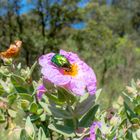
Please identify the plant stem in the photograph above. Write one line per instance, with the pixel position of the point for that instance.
(51, 136)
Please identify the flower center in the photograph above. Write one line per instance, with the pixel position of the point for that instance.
(73, 71)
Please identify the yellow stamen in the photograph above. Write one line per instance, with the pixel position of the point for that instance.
(73, 71)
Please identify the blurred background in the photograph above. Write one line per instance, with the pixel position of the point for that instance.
(104, 33)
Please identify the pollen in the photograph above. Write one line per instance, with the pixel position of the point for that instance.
(73, 71)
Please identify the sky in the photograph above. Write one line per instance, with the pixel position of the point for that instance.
(26, 7)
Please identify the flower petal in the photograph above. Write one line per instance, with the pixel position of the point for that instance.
(40, 91)
(84, 78)
(46, 59)
(89, 76)
(91, 82)
(52, 74)
(92, 130)
(77, 86)
(72, 57)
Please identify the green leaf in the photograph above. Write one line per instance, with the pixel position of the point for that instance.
(20, 89)
(43, 117)
(69, 123)
(133, 84)
(41, 134)
(34, 117)
(137, 109)
(134, 136)
(97, 94)
(12, 98)
(19, 66)
(135, 121)
(33, 108)
(25, 104)
(48, 85)
(39, 111)
(1, 90)
(29, 128)
(60, 113)
(138, 133)
(19, 83)
(4, 86)
(3, 99)
(128, 97)
(129, 135)
(138, 99)
(129, 112)
(26, 96)
(54, 99)
(12, 113)
(66, 95)
(88, 117)
(31, 70)
(84, 106)
(61, 97)
(2, 118)
(64, 130)
(45, 107)
(23, 135)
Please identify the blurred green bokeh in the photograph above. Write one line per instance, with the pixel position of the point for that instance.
(109, 41)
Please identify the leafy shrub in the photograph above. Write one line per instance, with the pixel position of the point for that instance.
(61, 114)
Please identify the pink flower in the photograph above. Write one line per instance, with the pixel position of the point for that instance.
(92, 131)
(40, 91)
(80, 78)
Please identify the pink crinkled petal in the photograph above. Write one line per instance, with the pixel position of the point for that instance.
(72, 57)
(55, 76)
(89, 77)
(85, 79)
(92, 130)
(46, 59)
(77, 86)
(91, 82)
(40, 91)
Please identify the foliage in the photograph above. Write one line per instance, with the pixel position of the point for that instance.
(60, 114)
(109, 41)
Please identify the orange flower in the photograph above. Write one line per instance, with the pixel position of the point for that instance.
(13, 50)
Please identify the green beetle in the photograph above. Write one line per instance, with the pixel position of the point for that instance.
(61, 61)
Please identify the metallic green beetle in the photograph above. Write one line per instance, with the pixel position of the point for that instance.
(61, 61)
